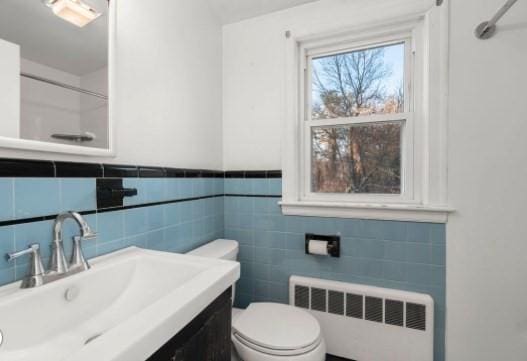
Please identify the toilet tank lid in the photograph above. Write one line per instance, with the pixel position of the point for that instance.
(219, 248)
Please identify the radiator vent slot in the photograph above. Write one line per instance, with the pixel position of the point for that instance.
(336, 302)
(373, 309)
(318, 299)
(394, 312)
(416, 316)
(302, 296)
(354, 305)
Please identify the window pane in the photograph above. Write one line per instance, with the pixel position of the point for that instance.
(359, 158)
(362, 82)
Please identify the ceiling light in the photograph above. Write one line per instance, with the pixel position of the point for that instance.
(73, 11)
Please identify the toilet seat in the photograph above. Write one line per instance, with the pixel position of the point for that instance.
(276, 352)
(277, 329)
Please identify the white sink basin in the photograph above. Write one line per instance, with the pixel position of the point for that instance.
(124, 308)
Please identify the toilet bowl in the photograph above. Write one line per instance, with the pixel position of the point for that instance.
(268, 331)
(272, 331)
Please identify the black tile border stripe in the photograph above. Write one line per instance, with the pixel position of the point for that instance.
(255, 195)
(26, 168)
(105, 210)
(78, 170)
(51, 169)
(152, 172)
(253, 174)
(120, 171)
(153, 204)
(50, 217)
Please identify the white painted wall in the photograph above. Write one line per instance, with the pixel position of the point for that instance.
(168, 86)
(9, 88)
(487, 236)
(254, 71)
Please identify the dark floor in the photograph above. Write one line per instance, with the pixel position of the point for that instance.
(336, 358)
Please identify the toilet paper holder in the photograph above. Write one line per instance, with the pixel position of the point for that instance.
(333, 243)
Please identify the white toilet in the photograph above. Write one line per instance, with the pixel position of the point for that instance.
(269, 331)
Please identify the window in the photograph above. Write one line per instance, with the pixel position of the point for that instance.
(363, 136)
(357, 120)
(352, 151)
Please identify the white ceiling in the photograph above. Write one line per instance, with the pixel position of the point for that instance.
(231, 11)
(49, 40)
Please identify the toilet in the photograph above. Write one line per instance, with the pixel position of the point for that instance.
(268, 331)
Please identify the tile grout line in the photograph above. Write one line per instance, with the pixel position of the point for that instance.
(13, 201)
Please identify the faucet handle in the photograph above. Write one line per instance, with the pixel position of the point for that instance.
(31, 249)
(36, 271)
(78, 262)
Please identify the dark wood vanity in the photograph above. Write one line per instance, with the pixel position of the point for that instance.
(206, 338)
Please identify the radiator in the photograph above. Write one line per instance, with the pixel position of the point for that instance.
(366, 323)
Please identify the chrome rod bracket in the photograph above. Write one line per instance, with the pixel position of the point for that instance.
(487, 29)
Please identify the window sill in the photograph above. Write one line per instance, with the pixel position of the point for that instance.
(393, 212)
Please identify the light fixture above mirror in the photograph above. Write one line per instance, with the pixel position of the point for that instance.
(75, 12)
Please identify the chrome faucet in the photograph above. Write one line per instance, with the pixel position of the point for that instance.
(58, 262)
(58, 268)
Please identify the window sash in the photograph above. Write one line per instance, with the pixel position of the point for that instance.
(340, 49)
(407, 162)
(408, 193)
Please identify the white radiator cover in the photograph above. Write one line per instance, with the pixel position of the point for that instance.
(366, 323)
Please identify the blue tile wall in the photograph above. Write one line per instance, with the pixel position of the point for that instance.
(253, 186)
(36, 196)
(402, 255)
(176, 227)
(7, 211)
(77, 194)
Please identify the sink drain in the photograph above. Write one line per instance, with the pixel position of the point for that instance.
(90, 339)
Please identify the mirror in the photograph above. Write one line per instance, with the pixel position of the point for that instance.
(54, 83)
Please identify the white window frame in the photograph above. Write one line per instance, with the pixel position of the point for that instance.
(423, 153)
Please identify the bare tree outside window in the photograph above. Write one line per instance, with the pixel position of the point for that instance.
(362, 158)
(365, 157)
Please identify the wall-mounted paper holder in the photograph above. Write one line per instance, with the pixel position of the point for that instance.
(322, 245)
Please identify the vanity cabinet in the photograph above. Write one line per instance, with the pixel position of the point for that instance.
(206, 338)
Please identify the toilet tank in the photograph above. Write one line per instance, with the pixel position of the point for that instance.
(226, 249)
(221, 248)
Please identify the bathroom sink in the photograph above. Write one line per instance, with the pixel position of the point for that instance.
(124, 308)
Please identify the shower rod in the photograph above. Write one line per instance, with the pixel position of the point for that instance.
(63, 85)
